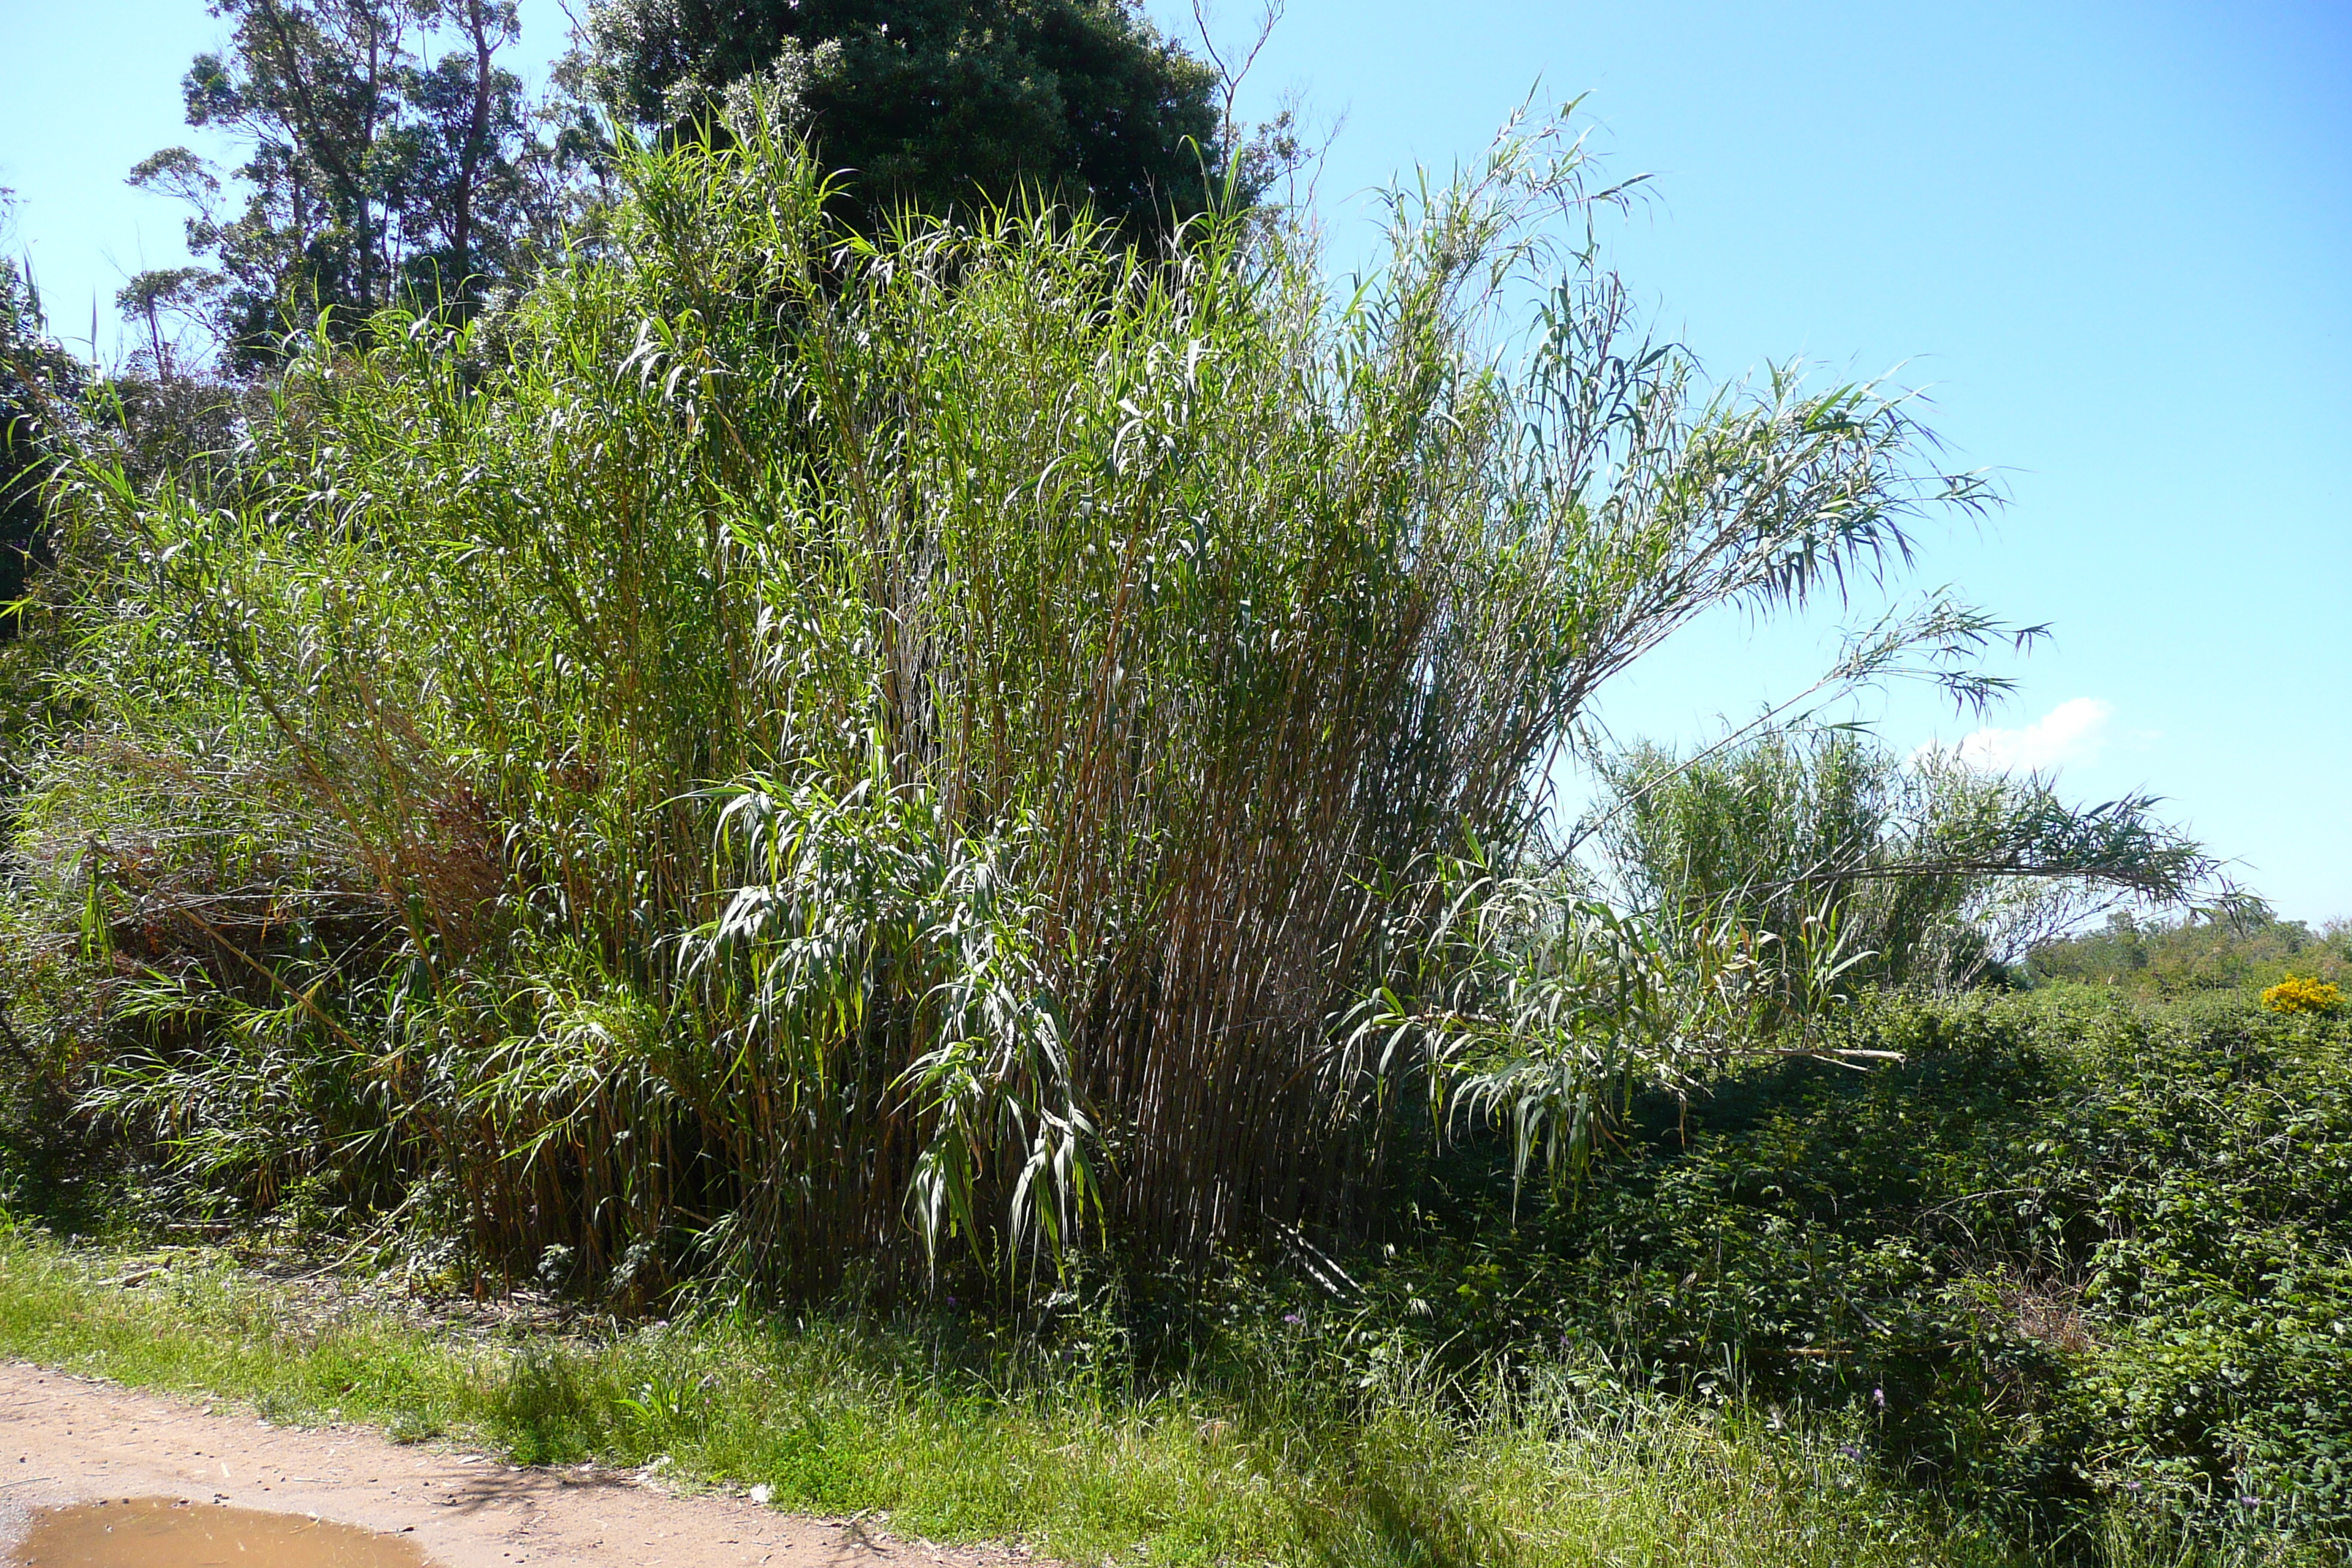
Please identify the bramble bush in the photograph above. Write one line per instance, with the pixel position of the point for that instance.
(2077, 1260)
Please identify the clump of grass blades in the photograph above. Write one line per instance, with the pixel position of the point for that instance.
(777, 734)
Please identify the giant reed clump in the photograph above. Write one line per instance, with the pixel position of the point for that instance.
(778, 734)
(1929, 872)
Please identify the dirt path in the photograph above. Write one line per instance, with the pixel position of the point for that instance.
(66, 1440)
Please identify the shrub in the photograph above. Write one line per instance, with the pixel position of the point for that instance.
(2072, 1254)
(2301, 993)
(1930, 873)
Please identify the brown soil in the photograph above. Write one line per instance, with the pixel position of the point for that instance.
(67, 1440)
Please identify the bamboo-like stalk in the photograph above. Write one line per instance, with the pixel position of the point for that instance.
(942, 726)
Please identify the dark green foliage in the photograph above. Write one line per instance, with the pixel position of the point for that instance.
(2230, 951)
(40, 386)
(46, 1151)
(942, 105)
(2072, 1254)
(186, 427)
(53, 1161)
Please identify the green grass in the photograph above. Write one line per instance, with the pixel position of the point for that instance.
(840, 1419)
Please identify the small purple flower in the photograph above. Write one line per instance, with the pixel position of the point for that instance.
(2248, 1502)
(1292, 1318)
(2131, 1485)
(1848, 1450)
(1878, 1397)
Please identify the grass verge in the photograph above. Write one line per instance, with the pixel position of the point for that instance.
(843, 1419)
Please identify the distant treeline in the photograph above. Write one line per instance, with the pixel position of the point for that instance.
(2233, 951)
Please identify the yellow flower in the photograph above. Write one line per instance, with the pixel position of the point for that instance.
(2297, 994)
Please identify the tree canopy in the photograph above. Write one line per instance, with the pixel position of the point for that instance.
(934, 104)
(374, 171)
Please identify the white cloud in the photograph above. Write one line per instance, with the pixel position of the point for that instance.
(2073, 732)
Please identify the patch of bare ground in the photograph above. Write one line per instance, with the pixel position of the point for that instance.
(67, 1440)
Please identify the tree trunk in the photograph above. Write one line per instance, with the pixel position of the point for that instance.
(367, 143)
(476, 134)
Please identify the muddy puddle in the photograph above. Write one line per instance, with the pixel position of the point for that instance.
(159, 1532)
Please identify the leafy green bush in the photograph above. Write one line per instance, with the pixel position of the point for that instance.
(2074, 1255)
(38, 388)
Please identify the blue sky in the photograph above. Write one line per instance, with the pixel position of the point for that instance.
(2114, 240)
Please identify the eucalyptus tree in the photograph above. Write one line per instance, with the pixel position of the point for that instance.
(161, 303)
(372, 173)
